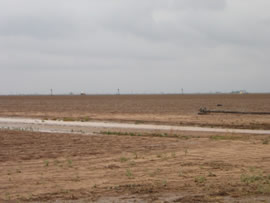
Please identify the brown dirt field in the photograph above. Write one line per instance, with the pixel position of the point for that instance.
(191, 168)
(165, 109)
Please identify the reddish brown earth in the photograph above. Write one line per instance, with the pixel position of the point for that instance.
(165, 109)
(190, 168)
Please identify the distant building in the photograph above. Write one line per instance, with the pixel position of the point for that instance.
(239, 92)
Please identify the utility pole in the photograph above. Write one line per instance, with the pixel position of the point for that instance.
(51, 92)
(118, 91)
(182, 90)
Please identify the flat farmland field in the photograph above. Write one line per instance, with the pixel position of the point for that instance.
(76, 160)
(38, 167)
(158, 109)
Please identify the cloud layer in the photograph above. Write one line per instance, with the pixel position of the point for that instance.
(154, 46)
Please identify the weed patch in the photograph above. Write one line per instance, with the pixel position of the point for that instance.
(200, 179)
(257, 181)
(129, 173)
(224, 137)
(123, 159)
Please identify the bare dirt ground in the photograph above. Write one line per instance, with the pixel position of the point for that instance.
(128, 167)
(99, 164)
(158, 109)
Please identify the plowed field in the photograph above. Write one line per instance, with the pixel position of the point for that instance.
(165, 109)
(128, 167)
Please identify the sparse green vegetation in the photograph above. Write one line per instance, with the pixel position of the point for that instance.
(7, 196)
(180, 173)
(265, 141)
(76, 178)
(145, 134)
(164, 183)
(18, 171)
(136, 155)
(129, 173)
(132, 163)
(173, 155)
(200, 179)
(46, 163)
(257, 180)
(159, 155)
(68, 119)
(69, 162)
(186, 151)
(251, 178)
(85, 119)
(139, 122)
(224, 137)
(210, 174)
(161, 183)
(156, 172)
(56, 162)
(123, 159)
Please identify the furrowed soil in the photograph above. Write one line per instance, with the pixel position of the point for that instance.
(163, 109)
(126, 167)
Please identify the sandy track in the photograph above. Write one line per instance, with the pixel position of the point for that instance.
(67, 126)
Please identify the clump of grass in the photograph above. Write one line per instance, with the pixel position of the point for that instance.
(164, 183)
(186, 151)
(7, 196)
(85, 119)
(173, 155)
(123, 159)
(136, 155)
(129, 173)
(182, 137)
(69, 162)
(180, 173)
(140, 134)
(263, 189)
(76, 178)
(46, 163)
(161, 183)
(160, 135)
(156, 172)
(251, 178)
(210, 174)
(265, 141)
(159, 155)
(139, 122)
(258, 181)
(132, 163)
(223, 137)
(18, 171)
(165, 157)
(200, 179)
(56, 162)
(68, 119)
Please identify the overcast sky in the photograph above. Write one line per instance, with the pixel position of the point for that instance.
(139, 46)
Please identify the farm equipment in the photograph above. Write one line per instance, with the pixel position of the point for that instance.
(205, 111)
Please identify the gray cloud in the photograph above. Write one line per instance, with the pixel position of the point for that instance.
(146, 46)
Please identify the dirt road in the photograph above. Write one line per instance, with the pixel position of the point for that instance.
(70, 126)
